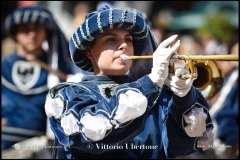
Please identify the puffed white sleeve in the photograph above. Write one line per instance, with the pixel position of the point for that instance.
(95, 127)
(131, 105)
(54, 107)
(206, 141)
(196, 122)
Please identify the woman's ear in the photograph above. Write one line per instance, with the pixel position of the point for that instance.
(89, 54)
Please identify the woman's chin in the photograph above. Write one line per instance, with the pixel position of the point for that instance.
(118, 71)
(122, 69)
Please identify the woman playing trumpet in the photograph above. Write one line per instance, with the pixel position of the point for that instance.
(111, 115)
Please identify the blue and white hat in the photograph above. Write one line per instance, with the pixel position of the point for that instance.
(26, 15)
(58, 44)
(100, 21)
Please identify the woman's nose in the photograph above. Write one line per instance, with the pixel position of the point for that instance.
(32, 33)
(123, 46)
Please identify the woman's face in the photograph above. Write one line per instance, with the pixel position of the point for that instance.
(104, 55)
(30, 37)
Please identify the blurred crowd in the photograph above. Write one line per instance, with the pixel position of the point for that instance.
(204, 28)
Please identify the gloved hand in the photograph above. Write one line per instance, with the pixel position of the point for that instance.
(179, 86)
(95, 127)
(161, 58)
(131, 105)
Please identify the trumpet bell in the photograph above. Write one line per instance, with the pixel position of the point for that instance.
(210, 78)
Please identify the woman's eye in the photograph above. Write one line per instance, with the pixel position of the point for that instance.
(129, 40)
(112, 39)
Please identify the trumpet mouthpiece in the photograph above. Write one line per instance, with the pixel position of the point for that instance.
(124, 57)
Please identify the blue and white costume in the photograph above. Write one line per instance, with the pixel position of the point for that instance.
(24, 83)
(113, 116)
(24, 89)
(162, 124)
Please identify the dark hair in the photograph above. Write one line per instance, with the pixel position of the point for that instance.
(13, 31)
(142, 67)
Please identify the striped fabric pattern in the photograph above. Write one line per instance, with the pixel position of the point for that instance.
(25, 15)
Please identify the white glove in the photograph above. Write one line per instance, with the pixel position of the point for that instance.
(161, 58)
(131, 105)
(196, 122)
(179, 86)
(95, 127)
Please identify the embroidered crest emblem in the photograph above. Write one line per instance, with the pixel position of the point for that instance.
(107, 90)
(25, 74)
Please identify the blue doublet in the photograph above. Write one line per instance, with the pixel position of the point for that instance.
(24, 89)
(158, 133)
(24, 84)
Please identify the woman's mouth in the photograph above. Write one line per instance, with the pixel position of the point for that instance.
(122, 57)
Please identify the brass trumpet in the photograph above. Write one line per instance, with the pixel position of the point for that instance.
(209, 77)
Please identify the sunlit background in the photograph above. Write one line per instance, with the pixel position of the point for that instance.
(205, 27)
